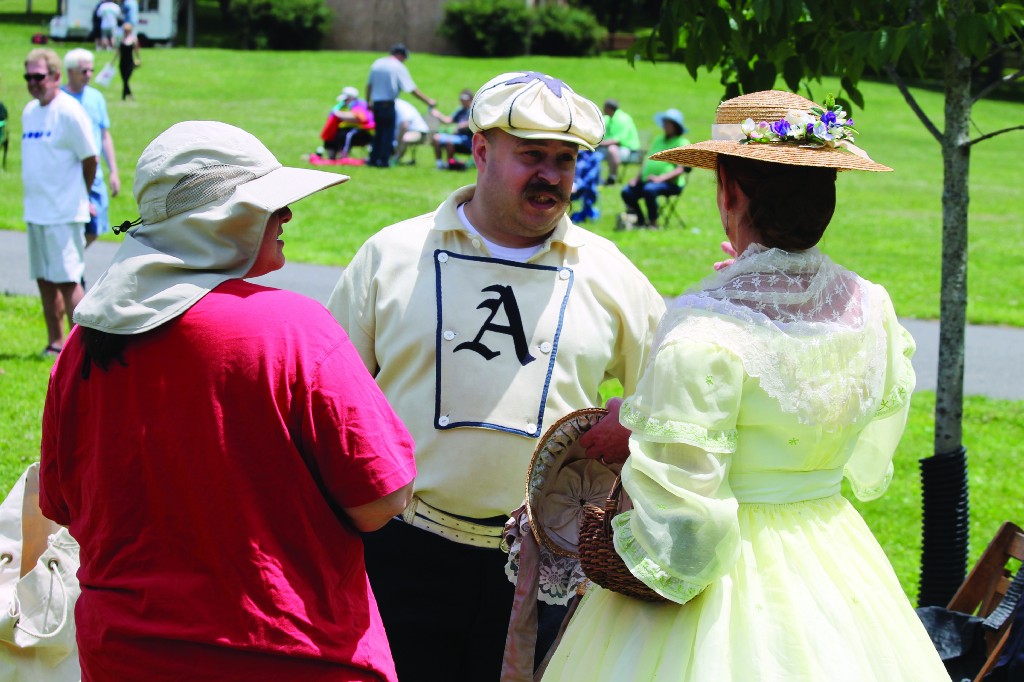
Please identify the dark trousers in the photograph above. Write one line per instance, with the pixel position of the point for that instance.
(126, 68)
(445, 605)
(383, 134)
(649, 192)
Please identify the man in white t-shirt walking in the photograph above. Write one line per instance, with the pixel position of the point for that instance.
(109, 13)
(58, 165)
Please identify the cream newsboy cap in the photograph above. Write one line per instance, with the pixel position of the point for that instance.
(535, 106)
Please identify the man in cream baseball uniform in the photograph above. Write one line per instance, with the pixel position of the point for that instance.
(484, 322)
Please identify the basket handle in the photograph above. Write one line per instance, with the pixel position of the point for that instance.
(611, 505)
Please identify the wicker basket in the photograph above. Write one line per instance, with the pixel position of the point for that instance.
(600, 562)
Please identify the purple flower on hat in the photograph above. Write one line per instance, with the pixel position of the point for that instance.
(829, 118)
(553, 84)
(781, 127)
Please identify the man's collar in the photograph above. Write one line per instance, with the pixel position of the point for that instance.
(447, 220)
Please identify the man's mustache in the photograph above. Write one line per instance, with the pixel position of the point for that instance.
(537, 187)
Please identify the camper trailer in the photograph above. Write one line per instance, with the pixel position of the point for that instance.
(158, 21)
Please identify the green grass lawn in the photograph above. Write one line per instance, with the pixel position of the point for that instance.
(887, 226)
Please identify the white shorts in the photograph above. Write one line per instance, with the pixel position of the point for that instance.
(56, 253)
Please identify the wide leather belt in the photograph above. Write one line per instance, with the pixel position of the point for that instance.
(421, 515)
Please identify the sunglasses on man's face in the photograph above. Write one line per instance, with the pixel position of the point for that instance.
(35, 77)
(86, 69)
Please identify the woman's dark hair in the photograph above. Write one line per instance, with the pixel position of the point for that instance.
(790, 206)
(102, 348)
(676, 127)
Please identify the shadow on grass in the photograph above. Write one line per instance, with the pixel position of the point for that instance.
(40, 19)
(26, 357)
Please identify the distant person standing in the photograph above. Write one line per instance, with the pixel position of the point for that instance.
(58, 165)
(109, 13)
(78, 64)
(129, 55)
(130, 8)
(389, 77)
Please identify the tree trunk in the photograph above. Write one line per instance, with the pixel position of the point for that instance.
(956, 161)
(944, 476)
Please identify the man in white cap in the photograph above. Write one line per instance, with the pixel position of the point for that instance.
(484, 322)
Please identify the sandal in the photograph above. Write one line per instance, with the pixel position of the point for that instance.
(51, 351)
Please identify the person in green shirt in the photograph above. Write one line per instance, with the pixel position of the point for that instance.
(620, 138)
(656, 178)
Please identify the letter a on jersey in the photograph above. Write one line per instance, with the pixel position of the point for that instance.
(498, 324)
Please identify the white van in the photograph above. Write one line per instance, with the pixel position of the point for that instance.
(158, 21)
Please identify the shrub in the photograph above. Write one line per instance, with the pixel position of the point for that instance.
(281, 24)
(486, 28)
(564, 31)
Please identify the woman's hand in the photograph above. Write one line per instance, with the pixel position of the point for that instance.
(607, 440)
(729, 251)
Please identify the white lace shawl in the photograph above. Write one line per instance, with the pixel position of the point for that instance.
(809, 330)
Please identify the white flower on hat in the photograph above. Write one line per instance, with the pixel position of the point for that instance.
(799, 121)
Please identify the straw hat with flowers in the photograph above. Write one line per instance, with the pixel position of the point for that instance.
(778, 127)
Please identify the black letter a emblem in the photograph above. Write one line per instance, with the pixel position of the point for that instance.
(507, 300)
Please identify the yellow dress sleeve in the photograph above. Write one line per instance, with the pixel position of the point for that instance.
(870, 468)
(682, 532)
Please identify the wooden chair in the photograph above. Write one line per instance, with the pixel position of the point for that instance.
(987, 584)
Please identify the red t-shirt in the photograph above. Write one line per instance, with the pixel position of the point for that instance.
(203, 481)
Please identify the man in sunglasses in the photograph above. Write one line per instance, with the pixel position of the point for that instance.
(78, 64)
(58, 166)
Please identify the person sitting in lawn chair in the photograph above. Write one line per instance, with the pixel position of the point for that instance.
(350, 124)
(458, 138)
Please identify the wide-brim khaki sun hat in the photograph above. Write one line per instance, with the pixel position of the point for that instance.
(206, 191)
(770, 106)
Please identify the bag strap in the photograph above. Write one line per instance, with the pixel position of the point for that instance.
(52, 566)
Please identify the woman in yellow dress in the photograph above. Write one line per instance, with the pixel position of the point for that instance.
(770, 381)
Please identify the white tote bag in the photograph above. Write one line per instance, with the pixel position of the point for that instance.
(106, 75)
(38, 590)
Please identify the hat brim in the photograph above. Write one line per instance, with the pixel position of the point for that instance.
(547, 135)
(705, 155)
(558, 452)
(286, 185)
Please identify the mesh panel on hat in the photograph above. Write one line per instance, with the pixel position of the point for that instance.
(205, 185)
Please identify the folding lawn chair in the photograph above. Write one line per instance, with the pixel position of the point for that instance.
(669, 211)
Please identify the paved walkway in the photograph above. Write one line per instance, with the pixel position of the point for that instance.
(994, 363)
